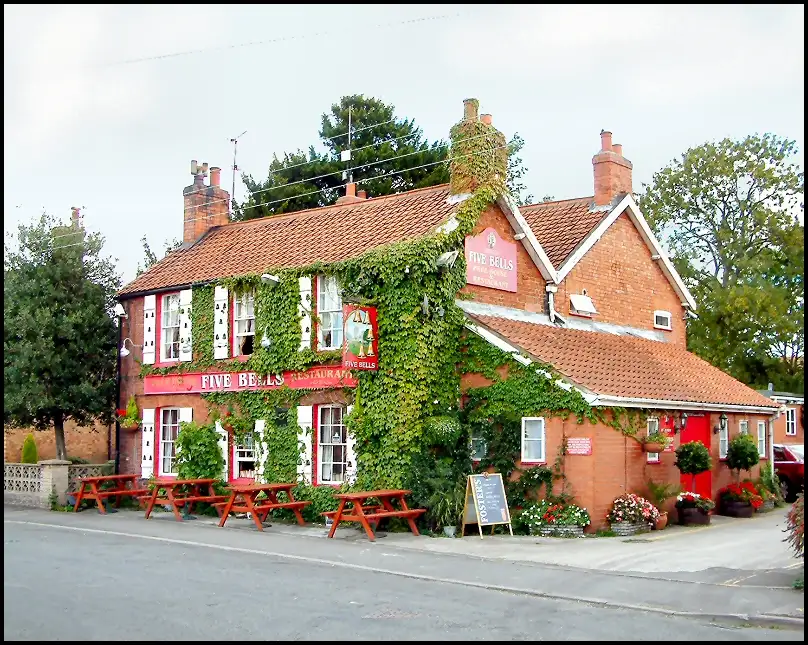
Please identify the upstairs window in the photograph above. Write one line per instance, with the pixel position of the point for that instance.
(244, 324)
(791, 422)
(662, 320)
(581, 304)
(329, 313)
(170, 336)
(743, 427)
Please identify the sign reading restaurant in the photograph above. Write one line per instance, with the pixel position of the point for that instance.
(490, 261)
(321, 377)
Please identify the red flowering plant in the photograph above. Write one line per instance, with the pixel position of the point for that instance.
(634, 509)
(547, 514)
(129, 418)
(742, 492)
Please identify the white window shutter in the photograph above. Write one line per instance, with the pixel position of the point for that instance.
(350, 452)
(304, 309)
(185, 325)
(149, 328)
(261, 449)
(221, 323)
(304, 438)
(223, 448)
(147, 443)
(186, 415)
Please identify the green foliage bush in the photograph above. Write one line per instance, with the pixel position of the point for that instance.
(742, 453)
(197, 452)
(29, 451)
(693, 458)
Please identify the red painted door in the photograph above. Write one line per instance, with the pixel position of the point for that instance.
(698, 429)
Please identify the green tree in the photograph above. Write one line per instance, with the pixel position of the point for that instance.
(389, 154)
(729, 213)
(29, 451)
(59, 337)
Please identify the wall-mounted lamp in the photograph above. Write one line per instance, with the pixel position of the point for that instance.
(265, 342)
(120, 312)
(722, 424)
(125, 352)
(271, 280)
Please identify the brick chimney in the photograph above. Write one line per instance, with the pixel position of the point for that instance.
(351, 196)
(478, 153)
(204, 206)
(612, 171)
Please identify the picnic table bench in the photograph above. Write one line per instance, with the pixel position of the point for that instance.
(118, 486)
(364, 513)
(243, 498)
(182, 493)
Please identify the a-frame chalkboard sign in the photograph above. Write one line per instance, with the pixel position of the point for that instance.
(486, 504)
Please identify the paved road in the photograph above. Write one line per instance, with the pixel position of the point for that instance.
(96, 585)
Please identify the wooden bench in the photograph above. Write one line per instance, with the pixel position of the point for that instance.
(370, 514)
(120, 488)
(244, 499)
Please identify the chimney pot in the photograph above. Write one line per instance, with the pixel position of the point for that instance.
(350, 190)
(205, 169)
(605, 141)
(202, 208)
(487, 119)
(470, 109)
(362, 194)
(215, 176)
(194, 167)
(617, 148)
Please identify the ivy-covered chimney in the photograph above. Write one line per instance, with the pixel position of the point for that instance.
(479, 155)
(204, 206)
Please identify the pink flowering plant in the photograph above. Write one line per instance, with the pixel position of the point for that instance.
(633, 509)
(548, 514)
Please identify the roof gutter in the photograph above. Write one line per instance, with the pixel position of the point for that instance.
(147, 292)
(632, 402)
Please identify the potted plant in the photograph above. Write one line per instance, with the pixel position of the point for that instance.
(739, 500)
(631, 514)
(692, 458)
(555, 518)
(742, 454)
(692, 508)
(659, 494)
(446, 507)
(129, 418)
(656, 441)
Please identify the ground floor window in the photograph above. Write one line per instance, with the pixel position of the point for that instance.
(332, 445)
(761, 438)
(479, 447)
(533, 439)
(169, 429)
(652, 425)
(244, 458)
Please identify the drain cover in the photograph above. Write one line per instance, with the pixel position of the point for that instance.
(637, 540)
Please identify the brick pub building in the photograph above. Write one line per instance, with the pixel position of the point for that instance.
(581, 285)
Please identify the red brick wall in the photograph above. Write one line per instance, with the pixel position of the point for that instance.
(530, 283)
(90, 443)
(625, 284)
(780, 435)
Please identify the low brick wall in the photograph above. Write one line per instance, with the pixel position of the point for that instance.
(33, 485)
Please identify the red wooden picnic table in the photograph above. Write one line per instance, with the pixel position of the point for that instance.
(373, 513)
(121, 485)
(182, 492)
(243, 499)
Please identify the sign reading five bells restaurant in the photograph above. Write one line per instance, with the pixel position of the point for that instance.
(491, 261)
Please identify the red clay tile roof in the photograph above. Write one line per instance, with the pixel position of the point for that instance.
(561, 226)
(626, 366)
(328, 234)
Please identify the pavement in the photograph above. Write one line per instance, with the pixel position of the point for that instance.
(734, 572)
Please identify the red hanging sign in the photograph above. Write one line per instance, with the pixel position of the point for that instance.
(360, 338)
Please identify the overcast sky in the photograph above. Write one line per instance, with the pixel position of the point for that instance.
(85, 127)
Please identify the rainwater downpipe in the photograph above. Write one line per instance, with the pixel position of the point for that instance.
(551, 290)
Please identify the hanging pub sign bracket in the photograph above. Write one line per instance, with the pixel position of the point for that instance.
(486, 503)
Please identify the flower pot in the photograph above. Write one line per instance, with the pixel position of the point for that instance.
(737, 509)
(661, 522)
(692, 515)
(653, 447)
(449, 531)
(624, 529)
(768, 505)
(131, 427)
(561, 531)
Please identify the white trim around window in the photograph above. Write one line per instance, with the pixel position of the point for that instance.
(761, 439)
(329, 313)
(170, 328)
(791, 422)
(723, 440)
(652, 425)
(743, 427)
(662, 320)
(169, 429)
(533, 440)
(244, 324)
(332, 445)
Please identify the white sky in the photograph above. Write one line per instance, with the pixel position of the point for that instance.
(81, 130)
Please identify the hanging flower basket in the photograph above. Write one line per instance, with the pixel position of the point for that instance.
(653, 447)
(129, 425)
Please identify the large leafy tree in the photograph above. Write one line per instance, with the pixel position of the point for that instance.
(389, 154)
(730, 213)
(59, 336)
